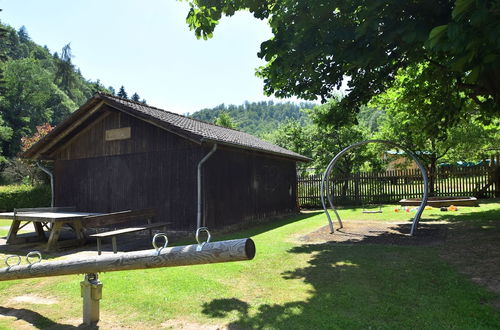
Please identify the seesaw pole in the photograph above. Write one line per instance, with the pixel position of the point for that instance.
(91, 287)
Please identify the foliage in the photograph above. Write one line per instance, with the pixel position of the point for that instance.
(316, 44)
(19, 196)
(36, 87)
(122, 93)
(224, 119)
(330, 130)
(64, 76)
(136, 97)
(41, 131)
(31, 99)
(257, 118)
(417, 116)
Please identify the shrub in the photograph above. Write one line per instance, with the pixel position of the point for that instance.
(20, 196)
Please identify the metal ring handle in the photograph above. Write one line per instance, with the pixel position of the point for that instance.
(209, 237)
(199, 230)
(34, 254)
(13, 256)
(154, 241)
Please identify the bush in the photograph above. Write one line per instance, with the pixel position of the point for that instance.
(20, 196)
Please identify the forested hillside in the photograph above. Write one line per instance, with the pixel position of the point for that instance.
(257, 118)
(37, 87)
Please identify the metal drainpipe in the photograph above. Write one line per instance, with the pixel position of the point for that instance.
(199, 214)
(49, 173)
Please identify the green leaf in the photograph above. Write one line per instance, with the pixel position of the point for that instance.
(461, 6)
(436, 34)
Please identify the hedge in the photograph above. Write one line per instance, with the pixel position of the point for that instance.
(19, 196)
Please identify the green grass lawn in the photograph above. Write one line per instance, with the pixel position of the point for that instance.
(289, 285)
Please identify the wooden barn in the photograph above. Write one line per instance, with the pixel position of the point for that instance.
(114, 154)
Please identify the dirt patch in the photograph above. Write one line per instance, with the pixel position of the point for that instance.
(31, 299)
(177, 324)
(370, 232)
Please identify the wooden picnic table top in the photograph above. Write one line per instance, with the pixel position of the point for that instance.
(47, 216)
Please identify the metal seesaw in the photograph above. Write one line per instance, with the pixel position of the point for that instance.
(91, 288)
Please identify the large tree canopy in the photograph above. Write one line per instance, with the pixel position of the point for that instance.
(317, 43)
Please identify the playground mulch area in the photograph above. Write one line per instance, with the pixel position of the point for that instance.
(376, 232)
(474, 250)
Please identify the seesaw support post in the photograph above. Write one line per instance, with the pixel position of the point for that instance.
(91, 291)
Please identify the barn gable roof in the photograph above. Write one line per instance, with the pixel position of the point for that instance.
(195, 130)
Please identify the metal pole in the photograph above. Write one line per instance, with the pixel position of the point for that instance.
(49, 173)
(326, 178)
(200, 164)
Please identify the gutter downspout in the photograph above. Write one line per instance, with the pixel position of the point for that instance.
(200, 164)
(49, 173)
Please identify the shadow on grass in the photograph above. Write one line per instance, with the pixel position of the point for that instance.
(268, 226)
(467, 217)
(39, 321)
(368, 285)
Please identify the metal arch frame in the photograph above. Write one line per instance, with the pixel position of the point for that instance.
(330, 166)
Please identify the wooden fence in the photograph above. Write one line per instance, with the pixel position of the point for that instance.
(388, 187)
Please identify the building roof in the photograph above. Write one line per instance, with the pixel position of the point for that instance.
(195, 130)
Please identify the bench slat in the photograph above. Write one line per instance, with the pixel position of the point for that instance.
(130, 230)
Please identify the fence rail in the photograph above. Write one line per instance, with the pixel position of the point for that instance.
(387, 187)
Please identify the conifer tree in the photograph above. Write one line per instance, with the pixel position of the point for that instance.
(136, 97)
(23, 34)
(65, 76)
(122, 93)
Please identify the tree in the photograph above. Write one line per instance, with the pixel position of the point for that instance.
(122, 93)
(418, 115)
(136, 97)
(28, 141)
(225, 120)
(65, 76)
(31, 99)
(23, 34)
(111, 90)
(316, 44)
(328, 132)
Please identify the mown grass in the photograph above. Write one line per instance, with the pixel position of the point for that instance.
(288, 285)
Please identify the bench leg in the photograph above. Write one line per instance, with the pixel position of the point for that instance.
(39, 230)
(98, 245)
(113, 241)
(14, 228)
(54, 236)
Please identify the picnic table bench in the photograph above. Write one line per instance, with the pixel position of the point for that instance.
(107, 220)
(50, 220)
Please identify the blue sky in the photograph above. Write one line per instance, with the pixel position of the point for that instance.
(148, 47)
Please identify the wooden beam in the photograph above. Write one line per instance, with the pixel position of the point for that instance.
(62, 134)
(223, 251)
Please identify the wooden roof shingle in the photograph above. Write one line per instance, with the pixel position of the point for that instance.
(193, 129)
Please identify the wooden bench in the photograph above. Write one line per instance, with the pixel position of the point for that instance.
(109, 219)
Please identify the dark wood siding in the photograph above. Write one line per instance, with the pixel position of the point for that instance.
(157, 169)
(242, 187)
(90, 142)
(160, 180)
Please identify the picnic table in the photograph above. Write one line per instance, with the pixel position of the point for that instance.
(50, 220)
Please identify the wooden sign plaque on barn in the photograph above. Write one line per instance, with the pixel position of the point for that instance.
(114, 154)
